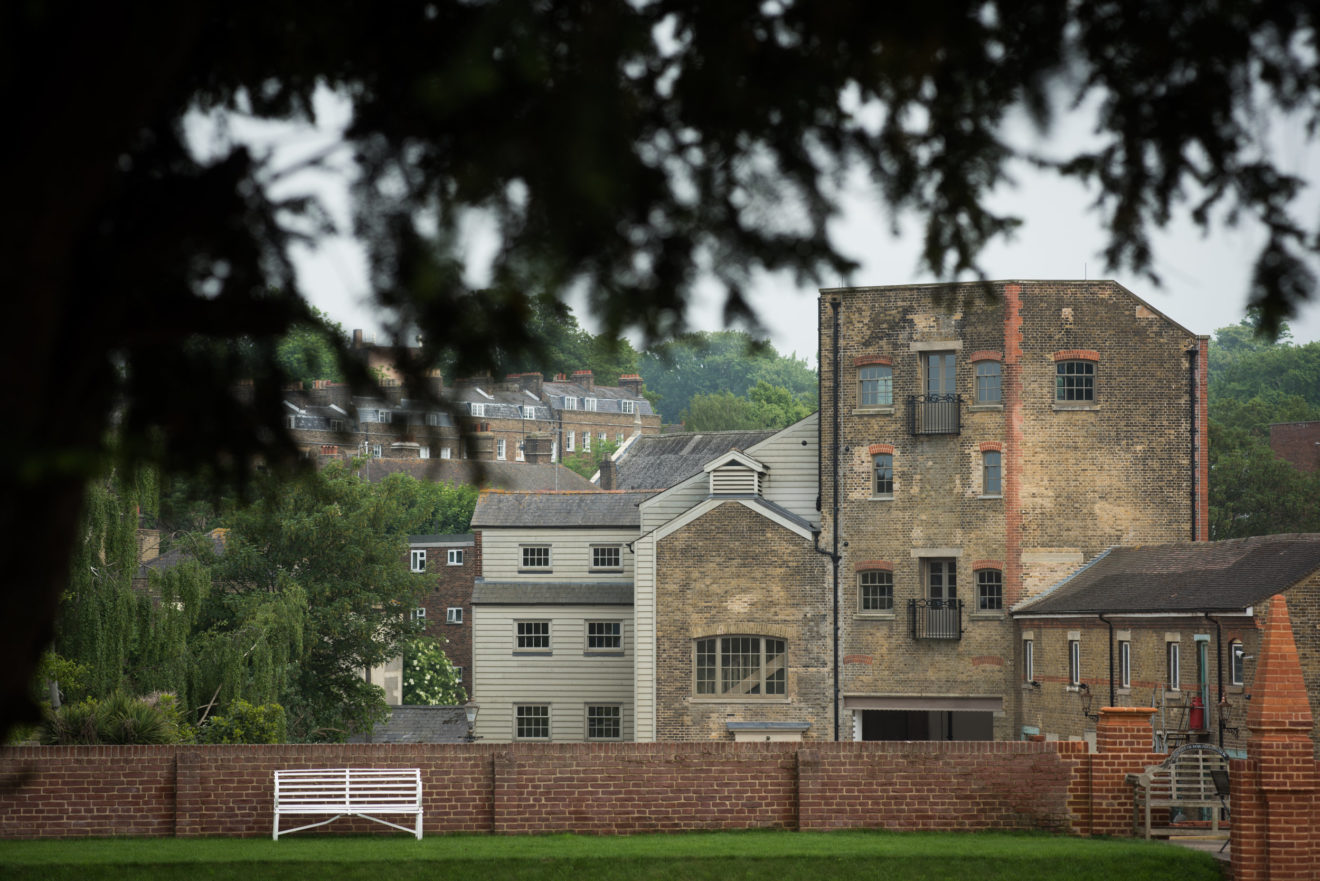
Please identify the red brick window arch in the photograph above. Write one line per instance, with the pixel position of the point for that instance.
(875, 586)
(1075, 376)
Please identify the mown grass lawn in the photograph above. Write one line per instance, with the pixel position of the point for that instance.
(719, 856)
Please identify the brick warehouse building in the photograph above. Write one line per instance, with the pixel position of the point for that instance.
(975, 449)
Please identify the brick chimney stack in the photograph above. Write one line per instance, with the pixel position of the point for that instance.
(609, 475)
(531, 382)
(633, 383)
(585, 379)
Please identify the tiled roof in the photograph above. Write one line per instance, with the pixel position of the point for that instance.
(465, 538)
(419, 725)
(559, 509)
(494, 474)
(664, 460)
(558, 593)
(1220, 576)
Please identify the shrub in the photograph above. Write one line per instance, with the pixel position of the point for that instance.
(119, 719)
(243, 722)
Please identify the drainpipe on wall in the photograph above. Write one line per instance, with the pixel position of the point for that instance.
(1219, 675)
(834, 503)
(1196, 440)
(1112, 702)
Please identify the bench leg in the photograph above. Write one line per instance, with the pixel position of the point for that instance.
(419, 825)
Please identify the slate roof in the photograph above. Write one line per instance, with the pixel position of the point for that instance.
(608, 397)
(484, 474)
(500, 404)
(664, 460)
(568, 510)
(419, 725)
(464, 538)
(560, 593)
(1220, 576)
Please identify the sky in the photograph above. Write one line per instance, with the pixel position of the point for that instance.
(1204, 277)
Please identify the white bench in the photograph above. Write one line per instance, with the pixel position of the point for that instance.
(349, 792)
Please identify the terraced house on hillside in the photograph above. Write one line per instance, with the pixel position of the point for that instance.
(975, 450)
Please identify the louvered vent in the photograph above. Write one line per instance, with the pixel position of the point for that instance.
(735, 480)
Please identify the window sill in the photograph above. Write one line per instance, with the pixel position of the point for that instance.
(984, 408)
(888, 498)
(875, 616)
(988, 615)
(1235, 689)
(536, 571)
(1123, 691)
(1081, 407)
(618, 571)
(990, 497)
(1072, 688)
(603, 653)
(536, 653)
(873, 411)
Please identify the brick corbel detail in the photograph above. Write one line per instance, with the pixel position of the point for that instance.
(1077, 355)
(872, 565)
(985, 355)
(877, 449)
(873, 361)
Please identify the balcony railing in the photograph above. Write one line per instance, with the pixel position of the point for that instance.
(935, 619)
(935, 414)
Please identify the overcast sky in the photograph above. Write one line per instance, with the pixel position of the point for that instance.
(1205, 278)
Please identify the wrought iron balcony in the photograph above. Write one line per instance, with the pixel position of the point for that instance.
(935, 414)
(935, 619)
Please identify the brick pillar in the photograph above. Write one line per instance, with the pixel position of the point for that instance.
(1274, 794)
(1123, 740)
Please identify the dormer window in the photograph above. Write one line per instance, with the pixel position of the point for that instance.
(570, 403)
(477, 409)
(589, 404)
(627, 406)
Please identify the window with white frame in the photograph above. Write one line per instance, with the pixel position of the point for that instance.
(477, 409)
(570, 403)
(458, 672)
(519, 454)
(589, 404)
(445, 453)
(454, 557)
(586, 442)
(535, 557)
(1173, 652)
(500, 448)
(1125, 663)
(419, 613)
(417, 560)
(604, 636)
(376, 451)
(875, 591)
(607, 557)
(423, 452)
(532, 636)
(570, 441)
(1028, 660)
(1237, 663)
(435, 419)
(618, 438)
(741, 666)
(875, 386)
(627, 407)
(988, 386)
(604, 722)
(1074, 662)
(454, 615)
(531, 722)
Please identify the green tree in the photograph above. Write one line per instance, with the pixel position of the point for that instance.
(765, 406)
(309, 351)
(586, 462)
(323, 543)
(623, 150)
(420, 507)
(729, 362)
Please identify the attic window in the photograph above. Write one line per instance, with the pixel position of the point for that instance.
(735, 480)
(627, 407)
(570, 403)
(589, 404)
(477, 409)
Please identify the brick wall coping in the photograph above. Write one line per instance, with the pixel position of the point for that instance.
(1127, 715)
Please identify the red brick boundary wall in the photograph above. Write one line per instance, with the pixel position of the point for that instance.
(52, 792)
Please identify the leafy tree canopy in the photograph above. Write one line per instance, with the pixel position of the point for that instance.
(617, 148)
(765, 406)
(728, 362)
